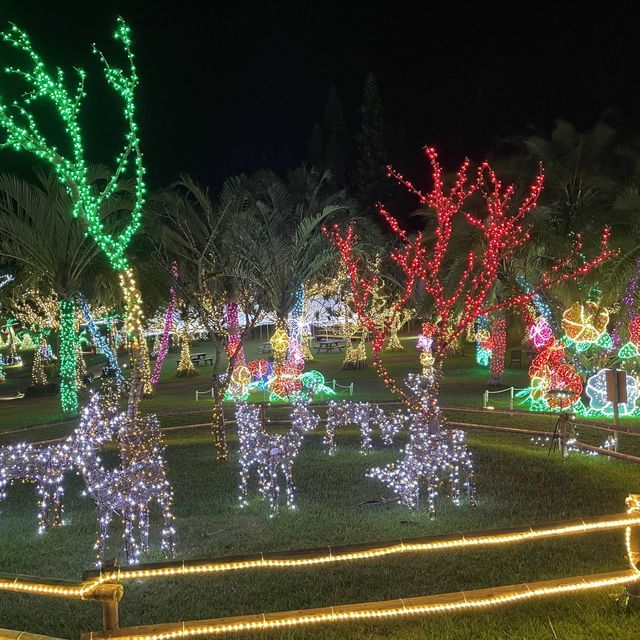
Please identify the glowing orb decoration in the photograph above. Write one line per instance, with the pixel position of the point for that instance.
(540, 333)
(597, 392)
(585, 322)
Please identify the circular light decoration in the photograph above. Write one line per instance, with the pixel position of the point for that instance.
(241, 375)
(312, 381)
(279, 344)
(585, 322)
(597, 392)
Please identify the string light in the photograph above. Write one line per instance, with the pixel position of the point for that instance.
(68, 376)
(436, 458)
(363, 414)
(482, 335)
(99, 340)
(504, 231)
(131, 488)
(498, 348)
(235, 350)
(163, 349)
(271, 454)
(185, 364)
(38, 374)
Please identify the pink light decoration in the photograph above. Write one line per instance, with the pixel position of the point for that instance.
(235, 349)
(168, 326)
(424, 342)
(541, 333)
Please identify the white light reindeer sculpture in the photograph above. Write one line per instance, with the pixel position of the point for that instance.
(271, 454)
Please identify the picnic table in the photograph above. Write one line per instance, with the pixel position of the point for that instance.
(199, 358)
(328, 344)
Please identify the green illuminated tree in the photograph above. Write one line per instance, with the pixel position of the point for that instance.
(49, 87)
(51, 252)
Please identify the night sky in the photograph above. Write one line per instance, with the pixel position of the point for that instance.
(230, 89)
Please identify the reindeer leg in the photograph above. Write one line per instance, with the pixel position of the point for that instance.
(168, 543)
(288, 475)
(131, 546)
(143, 528)
(103, 533)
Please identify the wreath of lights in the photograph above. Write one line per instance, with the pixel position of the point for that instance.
(271, 454)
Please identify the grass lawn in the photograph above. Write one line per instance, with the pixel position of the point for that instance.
(517, 484)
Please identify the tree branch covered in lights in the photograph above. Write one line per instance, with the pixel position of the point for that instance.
(88, 200)
(502, 226)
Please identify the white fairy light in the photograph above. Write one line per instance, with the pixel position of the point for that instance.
(436, 458)
(126, 491)
(365, 415)
(271, 453)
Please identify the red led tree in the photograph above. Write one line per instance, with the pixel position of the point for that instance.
(503, 229)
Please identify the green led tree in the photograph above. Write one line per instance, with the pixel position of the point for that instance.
(72, 169)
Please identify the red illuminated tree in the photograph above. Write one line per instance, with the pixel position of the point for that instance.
(502, 225)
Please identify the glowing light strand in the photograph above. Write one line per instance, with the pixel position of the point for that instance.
(271, 454)
(99, 340)
(168, 326)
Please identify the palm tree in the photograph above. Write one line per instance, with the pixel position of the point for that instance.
(51, 252)
(279, 241)
(198, 232)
